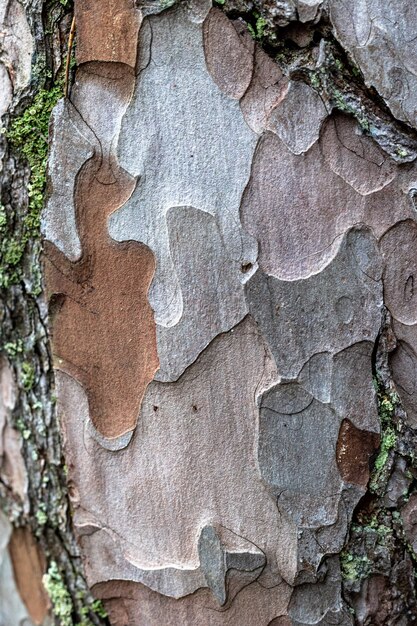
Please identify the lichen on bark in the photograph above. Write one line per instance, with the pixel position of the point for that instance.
(379, 564)
(307, 50)
(24, 337)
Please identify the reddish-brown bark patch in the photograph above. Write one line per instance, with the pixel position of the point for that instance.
(103, 331)
(107, 30)
(353, 452)
(28, 569)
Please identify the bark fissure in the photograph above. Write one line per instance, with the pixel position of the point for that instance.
(24, 335)
(379, 565)
(322, 63)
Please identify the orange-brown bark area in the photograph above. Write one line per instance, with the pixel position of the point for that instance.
(103, 331)
(28, 569)
(107, 30)
(354, 451)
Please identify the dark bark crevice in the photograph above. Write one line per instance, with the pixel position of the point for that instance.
(310, 52)
(24, 338)
(379, 564)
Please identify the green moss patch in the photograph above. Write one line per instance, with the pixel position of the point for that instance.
(28, 137)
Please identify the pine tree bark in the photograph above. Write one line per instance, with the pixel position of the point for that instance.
(207, 394)
(37, 539)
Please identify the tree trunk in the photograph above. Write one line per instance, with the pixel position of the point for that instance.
(222, 430)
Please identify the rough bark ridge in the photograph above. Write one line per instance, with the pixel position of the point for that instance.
(33, 488)
(230, 261)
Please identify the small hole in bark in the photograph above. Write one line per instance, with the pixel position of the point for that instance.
(195, 409)
(155, 408)
(246, 267)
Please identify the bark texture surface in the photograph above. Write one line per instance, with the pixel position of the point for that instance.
(230, 261)
(41, 579)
